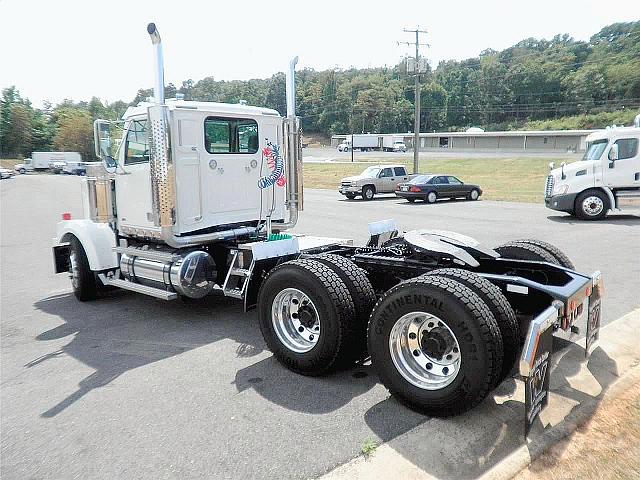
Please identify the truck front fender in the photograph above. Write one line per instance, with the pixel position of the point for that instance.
(97, 239)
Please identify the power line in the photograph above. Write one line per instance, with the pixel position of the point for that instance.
(416, 128)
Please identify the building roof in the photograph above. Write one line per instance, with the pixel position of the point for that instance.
(507, 133)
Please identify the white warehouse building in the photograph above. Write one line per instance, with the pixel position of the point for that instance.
(513, 140)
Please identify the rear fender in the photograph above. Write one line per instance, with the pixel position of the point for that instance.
(97, 239)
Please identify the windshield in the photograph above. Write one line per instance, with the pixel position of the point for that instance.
(595, 149)
(370, 172)
(421, 179)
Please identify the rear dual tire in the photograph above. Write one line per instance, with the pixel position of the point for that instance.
(308, 318)
(435, 345)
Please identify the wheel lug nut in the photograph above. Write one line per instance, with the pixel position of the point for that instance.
(412, 336)
(449, 357)
(455, 349)
(301, 329)
(445, 370)
(416, 353)
(311, 337)
(429, 366)
(430, 325)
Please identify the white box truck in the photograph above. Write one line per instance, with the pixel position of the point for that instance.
(191, 205)
(45, 160)
(392, 143)
(362, 142)
(607, 178)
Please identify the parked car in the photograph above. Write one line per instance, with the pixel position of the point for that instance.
(57, 167)
(373, 180)
(75, 168)
(433, 187)
(6, 173)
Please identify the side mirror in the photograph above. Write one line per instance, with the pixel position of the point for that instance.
(613, 155)
(102, 138)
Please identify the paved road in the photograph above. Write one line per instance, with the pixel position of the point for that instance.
(132, 387)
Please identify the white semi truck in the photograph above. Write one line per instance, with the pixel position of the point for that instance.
(606, 179)
(196, 200)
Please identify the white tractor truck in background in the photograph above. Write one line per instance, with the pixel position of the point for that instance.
(195, 202)
(606, 179)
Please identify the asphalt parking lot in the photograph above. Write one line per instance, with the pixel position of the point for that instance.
(133, 387)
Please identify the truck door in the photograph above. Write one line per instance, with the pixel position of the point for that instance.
(232, 162)
(133, 189)
(386, 182)
(625, 171)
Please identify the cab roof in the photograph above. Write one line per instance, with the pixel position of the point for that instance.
(613, 132)
(213, 107)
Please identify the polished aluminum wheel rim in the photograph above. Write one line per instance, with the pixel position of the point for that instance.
(295, 320)
(410, 344)
(474, 195)
(431, 197)
(593, 205)
(74, 273)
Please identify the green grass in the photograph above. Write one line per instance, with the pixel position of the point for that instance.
(508, 179)
(9, 162)
(368, 448)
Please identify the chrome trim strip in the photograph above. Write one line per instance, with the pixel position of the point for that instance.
(536, 328)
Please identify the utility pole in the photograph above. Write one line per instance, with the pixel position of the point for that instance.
(420, 67)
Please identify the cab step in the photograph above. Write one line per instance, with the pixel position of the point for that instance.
(138, 288)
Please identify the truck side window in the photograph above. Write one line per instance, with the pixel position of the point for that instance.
(400, 171)
(230, 135)
(137, 147)
(627, 148)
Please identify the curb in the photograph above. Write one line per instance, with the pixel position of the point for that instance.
(488, 442)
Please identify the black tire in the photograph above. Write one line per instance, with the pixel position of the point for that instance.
(471, 195)
(361, 291)
(431, 199)
(368, 192)
(411, 200)
(84, 284)
(470, 320)
(559, 255)
(22, 171)
(329, 294)
(350, 196)
(499, 307)
(525, 251)
(583, 214)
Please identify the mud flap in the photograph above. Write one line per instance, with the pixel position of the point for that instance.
(535, 363)
(593, 319)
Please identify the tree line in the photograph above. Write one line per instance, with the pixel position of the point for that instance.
(531, 84)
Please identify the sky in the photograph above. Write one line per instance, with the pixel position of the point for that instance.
(57, 49)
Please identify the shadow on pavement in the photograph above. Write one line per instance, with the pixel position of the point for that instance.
(469, 445)
(315, 395)
(626, 220)
(123, 331)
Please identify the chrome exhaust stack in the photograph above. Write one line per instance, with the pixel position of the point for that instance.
(292, 151)
(158, 87)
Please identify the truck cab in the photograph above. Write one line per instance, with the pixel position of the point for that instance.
(607, 178)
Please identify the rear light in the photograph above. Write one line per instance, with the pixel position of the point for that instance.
(415, 189)
(397, 187)
(66, 216)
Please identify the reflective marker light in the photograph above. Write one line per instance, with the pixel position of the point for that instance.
(66, 216)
